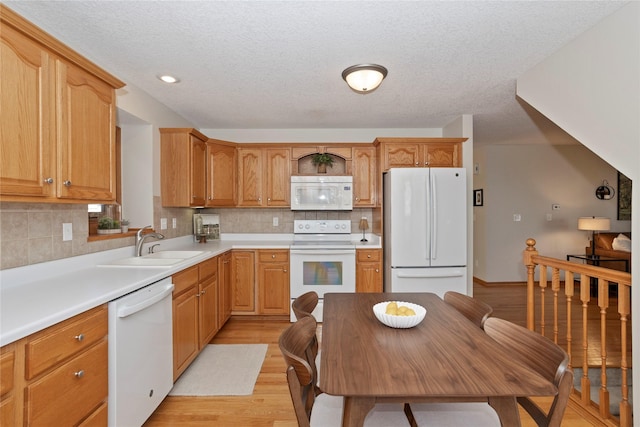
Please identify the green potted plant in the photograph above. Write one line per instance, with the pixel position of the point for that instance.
(322, 160)
(124, 225)
(108, 225)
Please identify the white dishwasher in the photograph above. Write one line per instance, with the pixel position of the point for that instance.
(140, 353)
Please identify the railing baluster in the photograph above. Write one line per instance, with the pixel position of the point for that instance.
(555, 287)
(585, 383)
(543, 287)
(603, 303)
(569, 292)
(624, 308)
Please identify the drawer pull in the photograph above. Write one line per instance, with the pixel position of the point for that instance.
(79, 337)
(79, 374)
(67, 183)
(368, 255)
(48, 180)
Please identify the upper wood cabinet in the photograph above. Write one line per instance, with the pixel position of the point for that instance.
(222, 159)
(419, 152)
(364, 177)
(183, 165)
(58, 124)
(264, 176)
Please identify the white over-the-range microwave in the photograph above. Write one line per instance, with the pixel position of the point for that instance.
(317, 193)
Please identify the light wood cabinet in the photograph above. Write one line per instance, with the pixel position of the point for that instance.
(369, 270)
(264, 176)
(222, 160)
(183, 164)
(273, 282)
(419, 152)
(243, 266)
(195, 312)
(364, 177)
(57, 376)
(224, 288)
(7, 385)
(55, 105)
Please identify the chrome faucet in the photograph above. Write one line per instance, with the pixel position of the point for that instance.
(140, 238)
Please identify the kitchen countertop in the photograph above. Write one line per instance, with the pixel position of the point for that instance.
(35, 297)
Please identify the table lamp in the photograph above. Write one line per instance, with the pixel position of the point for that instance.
(364, 225)
(593, 224)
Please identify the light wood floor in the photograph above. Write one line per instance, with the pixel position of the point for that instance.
(270, 404)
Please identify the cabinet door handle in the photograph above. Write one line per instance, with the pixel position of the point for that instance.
(48, 180)
(67, 183)
(203, 292)
(79, 337)
(284, 271)
(79, 374)
(377, 270)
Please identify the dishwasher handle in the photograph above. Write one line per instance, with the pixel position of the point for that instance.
(128, 310)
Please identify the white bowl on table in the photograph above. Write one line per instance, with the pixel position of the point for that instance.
(401, 322)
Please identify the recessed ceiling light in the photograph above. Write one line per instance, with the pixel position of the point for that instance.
(169, 79)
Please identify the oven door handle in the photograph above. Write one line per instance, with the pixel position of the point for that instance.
(323, 252)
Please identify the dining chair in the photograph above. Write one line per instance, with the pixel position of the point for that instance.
(321, 410)
(541, 355)
(303, 306)
(532, 350)
(473, 309)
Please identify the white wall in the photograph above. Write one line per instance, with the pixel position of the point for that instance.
(140, 118)
(591, 88)
(463, 127)
(527, 180)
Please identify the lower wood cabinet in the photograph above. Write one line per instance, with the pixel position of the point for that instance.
(260, 281)
(273, 282)
(243, 264)
(195, 312)
(369, 270)
(58, 376)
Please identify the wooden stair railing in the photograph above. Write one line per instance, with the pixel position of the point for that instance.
(593, 342)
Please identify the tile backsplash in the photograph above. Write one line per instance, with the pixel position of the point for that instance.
(31, 233)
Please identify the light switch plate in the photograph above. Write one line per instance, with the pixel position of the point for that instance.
(174, 223)
(67, 231)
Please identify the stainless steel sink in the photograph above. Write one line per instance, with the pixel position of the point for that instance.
(157, 259)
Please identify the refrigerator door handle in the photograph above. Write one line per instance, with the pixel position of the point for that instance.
(457, 273)
(434, 217)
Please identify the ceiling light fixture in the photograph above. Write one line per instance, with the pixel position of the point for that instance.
(364, 78)
(169, 79)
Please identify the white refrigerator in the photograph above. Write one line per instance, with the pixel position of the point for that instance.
(425, 230)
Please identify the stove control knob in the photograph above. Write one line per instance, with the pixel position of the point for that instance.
(307, 226)
(337, 226)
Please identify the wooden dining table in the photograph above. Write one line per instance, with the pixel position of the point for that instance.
(444, 358)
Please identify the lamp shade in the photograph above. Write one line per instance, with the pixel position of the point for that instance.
(364, 224)
(593, 223)
(365, 77)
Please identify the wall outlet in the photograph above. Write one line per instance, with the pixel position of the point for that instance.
(275, 221)
(549, 217)
(174, 223)
(517, 217)
(67, 231)
(163, 223)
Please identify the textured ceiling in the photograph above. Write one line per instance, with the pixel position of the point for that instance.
(268, 64)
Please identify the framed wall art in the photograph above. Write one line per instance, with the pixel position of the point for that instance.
(477, 198)
(624, 198)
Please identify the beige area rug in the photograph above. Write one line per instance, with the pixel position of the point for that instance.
(222, 370)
